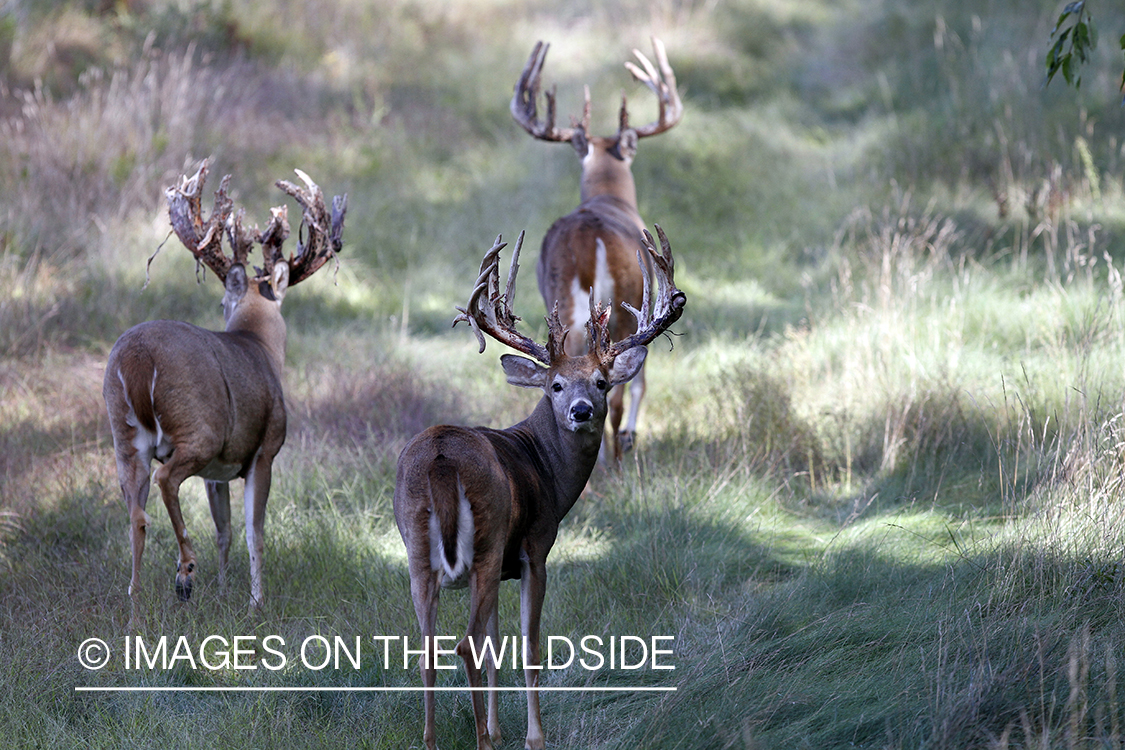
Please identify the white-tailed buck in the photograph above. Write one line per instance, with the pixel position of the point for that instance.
(476, 506)
(593, 251)
(206, 403)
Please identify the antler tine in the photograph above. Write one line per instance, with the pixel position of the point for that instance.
(663, 84)
(510, 287)
(273, 237)
(668, 305)
(240, 238)
(556, 335)
(586, 109)
(597, 328)
(495, 316)
(325, 233)
(524, 105)
(489, 266)
(202, 238)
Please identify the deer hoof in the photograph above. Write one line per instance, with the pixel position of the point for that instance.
(625, 442)
(183, 587)
(183, 581)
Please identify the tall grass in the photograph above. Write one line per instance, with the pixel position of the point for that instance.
(876, 496)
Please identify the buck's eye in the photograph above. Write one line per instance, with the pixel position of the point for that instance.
(556, 387)
(601, 384)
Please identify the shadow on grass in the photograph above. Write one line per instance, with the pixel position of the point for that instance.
(385, 403)
(867, 651)
(853, 647)
(710, 318)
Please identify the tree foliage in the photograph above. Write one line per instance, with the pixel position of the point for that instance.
(1073, 41)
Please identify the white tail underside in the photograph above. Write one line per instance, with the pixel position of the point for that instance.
(465, 530)
(602, 290)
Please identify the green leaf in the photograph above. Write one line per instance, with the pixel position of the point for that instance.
(1084, 40)
(1072, 46)
(1062, 17)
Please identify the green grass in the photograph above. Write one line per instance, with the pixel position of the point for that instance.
(877, 494)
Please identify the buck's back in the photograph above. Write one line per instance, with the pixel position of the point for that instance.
(174, 381)
(592, 249)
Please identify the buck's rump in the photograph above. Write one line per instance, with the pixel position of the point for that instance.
(234, 394)
(492, 468)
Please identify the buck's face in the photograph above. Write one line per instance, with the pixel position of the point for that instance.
(576, 386)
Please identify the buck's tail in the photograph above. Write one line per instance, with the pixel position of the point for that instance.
(451, 523)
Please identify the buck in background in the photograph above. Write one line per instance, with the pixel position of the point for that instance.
(476, 506)
(210, 404)
(593, 251)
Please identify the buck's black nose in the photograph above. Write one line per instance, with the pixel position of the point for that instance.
(582, 412)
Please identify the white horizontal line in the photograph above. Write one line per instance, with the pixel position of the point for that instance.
(406, 689)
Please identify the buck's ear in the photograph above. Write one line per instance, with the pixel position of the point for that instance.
(236, 281)
(626, 147)
(627, 365)
(279, 280)
(523, 372)
(236, 285)
(581, 145)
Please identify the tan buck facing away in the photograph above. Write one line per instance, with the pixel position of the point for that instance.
(476, 506)
(206, 403)
(593, 251)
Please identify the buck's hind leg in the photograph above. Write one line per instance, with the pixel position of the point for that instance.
(627, 437)
(424, 590)
(133, 475)
(484, 589)
(133, 458)
(169, 477)
(218, 497)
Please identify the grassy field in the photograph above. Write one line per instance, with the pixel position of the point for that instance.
(879, 487)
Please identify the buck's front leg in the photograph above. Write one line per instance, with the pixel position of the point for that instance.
(254, 500)
(533, 587)
(218, 497)
(493, 695)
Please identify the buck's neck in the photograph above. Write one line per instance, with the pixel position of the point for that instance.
(263, 321)
(603, 174)
(570, 456)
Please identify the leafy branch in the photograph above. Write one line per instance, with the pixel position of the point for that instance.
(1072, 44)
(1073, 40)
